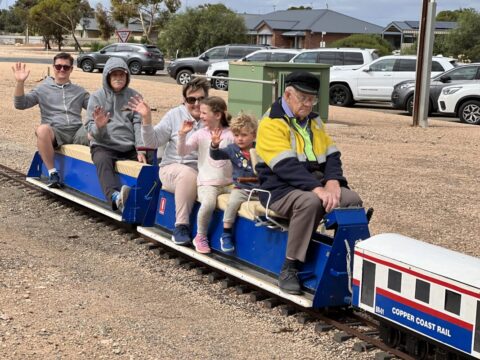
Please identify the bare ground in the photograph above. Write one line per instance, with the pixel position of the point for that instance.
(70, 288)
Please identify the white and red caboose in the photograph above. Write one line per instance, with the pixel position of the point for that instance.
(428, 290)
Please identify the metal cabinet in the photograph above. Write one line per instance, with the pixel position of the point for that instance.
(254, 86)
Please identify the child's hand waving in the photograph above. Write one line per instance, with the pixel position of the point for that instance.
(216, 137)
(186, 127)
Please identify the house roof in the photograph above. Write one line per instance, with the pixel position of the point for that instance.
(415, 25)
(315, 20)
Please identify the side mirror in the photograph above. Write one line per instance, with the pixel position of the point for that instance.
(366, 69)
(204, 57)
(445, 78)
(102, 51)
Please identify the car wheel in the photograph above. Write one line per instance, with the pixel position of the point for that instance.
(135, 68)
(87, 65)
(470, 112)
(151, 72)
(340, 95)
(409, 105)
(221, 84)
(184, 77)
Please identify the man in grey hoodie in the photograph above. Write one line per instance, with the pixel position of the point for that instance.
(60, 103)
(114, 129)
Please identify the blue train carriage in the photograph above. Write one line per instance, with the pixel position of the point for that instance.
(81, 185)
(428, 290)
(260, 250)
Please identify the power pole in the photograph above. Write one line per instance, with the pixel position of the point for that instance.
(424, 64)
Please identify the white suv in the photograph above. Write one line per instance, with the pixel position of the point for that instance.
(267, 55)
(339, 58)
(375, 81)
(462, 100)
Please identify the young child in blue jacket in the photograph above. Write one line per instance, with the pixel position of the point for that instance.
(244, 129)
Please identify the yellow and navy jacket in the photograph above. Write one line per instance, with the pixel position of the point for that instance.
(292, 157)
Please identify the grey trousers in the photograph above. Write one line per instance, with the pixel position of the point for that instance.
(237, 197)
(305, 211)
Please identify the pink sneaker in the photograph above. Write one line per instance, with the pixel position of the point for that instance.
(201, 244)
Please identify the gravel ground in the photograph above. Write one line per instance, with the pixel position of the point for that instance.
(72, 288)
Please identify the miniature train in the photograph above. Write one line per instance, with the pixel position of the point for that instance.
(426, 298)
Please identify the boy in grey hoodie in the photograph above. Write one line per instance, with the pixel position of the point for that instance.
(114, 129)
(60, 103)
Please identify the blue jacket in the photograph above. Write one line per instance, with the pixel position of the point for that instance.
(242, 167)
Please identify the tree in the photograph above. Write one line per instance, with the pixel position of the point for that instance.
(464, 41)
(10, 22)
(104, 26)
(58, 17)
(300, 8)
(201, 28)
(449, 15)
(367, 41)
(145, 10)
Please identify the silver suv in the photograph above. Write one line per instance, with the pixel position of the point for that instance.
(339, 58)
(139, 58)
(183, 68)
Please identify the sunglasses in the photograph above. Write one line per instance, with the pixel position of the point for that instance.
(192, 99)
(59, 67)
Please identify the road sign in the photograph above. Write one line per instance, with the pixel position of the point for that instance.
(123, 35)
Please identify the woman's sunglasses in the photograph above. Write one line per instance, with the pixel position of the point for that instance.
(192, 99)
(59, 67)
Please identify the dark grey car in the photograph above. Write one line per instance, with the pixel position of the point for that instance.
(139, 58)
(403, 92)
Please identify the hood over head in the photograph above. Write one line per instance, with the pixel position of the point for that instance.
(111, 65)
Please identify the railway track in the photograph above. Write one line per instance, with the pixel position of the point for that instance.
(348, 323)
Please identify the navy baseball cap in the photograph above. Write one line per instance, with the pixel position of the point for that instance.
(303, 81)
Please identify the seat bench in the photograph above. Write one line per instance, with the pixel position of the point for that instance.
(248, 210)
(82, 152)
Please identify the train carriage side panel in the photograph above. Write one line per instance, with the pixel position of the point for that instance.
(262, 248)
(79, 175)
(421, 287)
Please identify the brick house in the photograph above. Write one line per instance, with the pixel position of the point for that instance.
(305, 29)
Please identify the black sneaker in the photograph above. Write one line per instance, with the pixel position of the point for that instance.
(54, 181)
(288, 281)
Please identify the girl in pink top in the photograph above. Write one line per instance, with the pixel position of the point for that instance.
(214, 176)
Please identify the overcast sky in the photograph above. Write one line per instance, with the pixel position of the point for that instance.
(379, 12)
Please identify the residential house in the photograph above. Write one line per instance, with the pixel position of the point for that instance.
(402, 34)
(305, 29)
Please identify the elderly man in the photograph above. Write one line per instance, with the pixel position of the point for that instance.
(301, 168)
(60, 103)
(178, 174)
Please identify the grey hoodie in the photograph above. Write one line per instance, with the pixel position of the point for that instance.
(60, 105)
(122, 132)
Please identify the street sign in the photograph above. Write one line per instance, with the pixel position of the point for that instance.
(123, 35)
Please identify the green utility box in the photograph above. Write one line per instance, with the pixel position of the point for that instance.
(253, 87)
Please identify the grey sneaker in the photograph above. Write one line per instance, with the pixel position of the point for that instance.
(122, 198)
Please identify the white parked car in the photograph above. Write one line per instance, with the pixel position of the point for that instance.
(375, 81)
(462, 100)
(339, 58)
(267, 55)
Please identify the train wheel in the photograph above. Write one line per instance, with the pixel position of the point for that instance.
(390, 335)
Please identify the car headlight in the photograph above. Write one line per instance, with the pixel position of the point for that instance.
(406, 86)
(450, 91)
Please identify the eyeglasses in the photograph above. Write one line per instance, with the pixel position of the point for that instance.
(313, 100)
(192, 99)
(59, 67)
